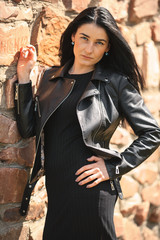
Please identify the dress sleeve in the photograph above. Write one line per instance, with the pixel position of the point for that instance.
(144, 126)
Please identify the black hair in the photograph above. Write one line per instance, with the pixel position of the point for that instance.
(120, 58)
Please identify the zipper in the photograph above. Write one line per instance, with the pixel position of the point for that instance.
(73, 83)
(112, 185)
(17, 97)
(100, 112)
(37, 106)
(117, 169)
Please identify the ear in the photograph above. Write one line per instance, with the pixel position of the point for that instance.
(108, 47)
(73, 37)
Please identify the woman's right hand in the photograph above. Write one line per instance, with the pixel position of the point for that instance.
(26, 62)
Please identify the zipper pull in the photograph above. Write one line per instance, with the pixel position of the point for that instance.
(117, 169)
(37, 106)
(16, 97)
(112, 185)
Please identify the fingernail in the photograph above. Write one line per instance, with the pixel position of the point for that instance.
(79, 183)
(76, 180)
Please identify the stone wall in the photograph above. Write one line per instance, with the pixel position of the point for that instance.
(41, 23)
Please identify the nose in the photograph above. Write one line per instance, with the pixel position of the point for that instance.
(89, 48)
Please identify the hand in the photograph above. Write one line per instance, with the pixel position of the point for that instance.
(26, 62)
(96, 172)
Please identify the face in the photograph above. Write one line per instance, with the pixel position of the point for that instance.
(90, 44)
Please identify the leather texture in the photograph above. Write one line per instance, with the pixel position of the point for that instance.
(108, 98)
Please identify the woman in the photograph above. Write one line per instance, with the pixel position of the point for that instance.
(78, 106)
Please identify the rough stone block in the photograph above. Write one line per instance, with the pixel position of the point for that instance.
(121, 137)
(156, 31)
(8, 131)
(15, 233)
(126, 184)
(151, 69)
(131, 231)
(129, 206)
(14, 181)
(23, 155)
(146, 36)
(119, 9)
(152, 194)
(154, 216)
(142, 212)
(11, 215)
(76, 5)
(142, 8)
(11, 39)
(118, 222)
(148, 234)
(47, 39)
(146, 174)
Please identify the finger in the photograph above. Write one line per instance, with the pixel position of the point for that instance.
(89, 179)
(84, 168)
(94, 158)
(31, 47)
(95, 183)
(86, 174)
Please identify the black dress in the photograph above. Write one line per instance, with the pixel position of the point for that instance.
(74, 212)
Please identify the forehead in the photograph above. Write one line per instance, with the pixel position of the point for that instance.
(91, 29)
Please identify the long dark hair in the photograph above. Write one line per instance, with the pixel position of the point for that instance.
(120, 59)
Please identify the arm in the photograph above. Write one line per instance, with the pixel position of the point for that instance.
(24, 104)
(145, 127)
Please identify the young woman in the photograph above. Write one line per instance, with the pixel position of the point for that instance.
(77, 107)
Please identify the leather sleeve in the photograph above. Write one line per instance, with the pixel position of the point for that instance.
(24, 107)
(132, 107)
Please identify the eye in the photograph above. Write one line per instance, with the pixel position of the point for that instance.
(100, 43)
(85, 38)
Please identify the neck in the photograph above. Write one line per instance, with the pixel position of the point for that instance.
(80, 69)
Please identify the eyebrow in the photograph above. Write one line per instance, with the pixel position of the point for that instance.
(96, 39)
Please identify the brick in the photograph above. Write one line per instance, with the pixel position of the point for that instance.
(146, 174)
(154, 157)
(138, 53)
(118, 222)
(47, 39)
(36, 211)
(119, 9)
(121, 137)
(156, 31)
(131, 231)
(7, 11)
(148, 234)
(9, 92)
(14, 181)
(154, 216)
(15, 233)
(142, 212)
(23, 156)
(150, 66)
(126, 33)
(126, 184)
(12, 215)
(152, 194)
(142, 8)
(36, 230)
(128, 207)
(9, 132)
(51, 1)
(11, 39)
(17, 1)
(149, 99)
(76, 5)
(146, 36)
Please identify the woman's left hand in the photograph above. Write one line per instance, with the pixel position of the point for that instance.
(96, 172)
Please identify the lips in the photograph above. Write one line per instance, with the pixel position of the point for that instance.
(84, 56)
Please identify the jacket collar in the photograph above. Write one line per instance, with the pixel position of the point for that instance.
(98, 74)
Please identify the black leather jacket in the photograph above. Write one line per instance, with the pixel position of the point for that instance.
(108, 98)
